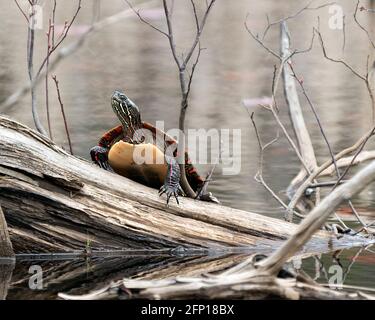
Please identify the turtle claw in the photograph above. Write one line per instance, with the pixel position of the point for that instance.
(209, 197)
(99, 155)
(169, 192)
(176, 197)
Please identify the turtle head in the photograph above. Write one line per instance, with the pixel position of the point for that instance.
(127, 112)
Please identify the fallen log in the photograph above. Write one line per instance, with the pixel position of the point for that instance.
(258, 276)
(55, 202)
(6, 249)
(7, 260)
(6, 271)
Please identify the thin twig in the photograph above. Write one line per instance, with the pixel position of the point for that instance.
(63, 113)
(22, 11)
(61, 38)
(325, 184)
(305, 8)
(356, 73)
(300, 191)
(30, 68)
(353, 159)
(361, 26)
(50, 36)
(66, 51)
(198, 34)
(137, 12)
(343, 33)
(365, 78)
(259, 175)
(53, 22)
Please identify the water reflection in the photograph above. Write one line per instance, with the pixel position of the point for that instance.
(81, 276)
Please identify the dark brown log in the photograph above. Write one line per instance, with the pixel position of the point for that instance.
(55, 202)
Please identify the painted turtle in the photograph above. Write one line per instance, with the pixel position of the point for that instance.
(119, 148)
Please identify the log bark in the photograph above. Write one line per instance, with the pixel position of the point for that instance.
(6, 271)
(6, 249)
(7, 260)
(55, 202)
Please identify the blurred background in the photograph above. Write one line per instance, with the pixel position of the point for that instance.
(130, 56)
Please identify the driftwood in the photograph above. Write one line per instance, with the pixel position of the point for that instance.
(6, 249)
(298, 122)
(295, 110)
(6, 271)
(54, 202)
(345, 162)
(7, 260)
(253, 278)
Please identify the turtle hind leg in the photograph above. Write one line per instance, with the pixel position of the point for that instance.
(171, 186)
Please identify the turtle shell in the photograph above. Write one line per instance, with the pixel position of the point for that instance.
(123, 160)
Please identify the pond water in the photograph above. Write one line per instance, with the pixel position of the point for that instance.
(78, 276)
(132, 57)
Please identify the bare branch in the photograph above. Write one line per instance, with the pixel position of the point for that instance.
(22, 11)
(357, 74)
(63, 113)
(343, 33)
(313, 109)
(193, 70)
(259, 175)
(30, 69)
(305, 8)
(170, 35)
(300, 191)
(199, 32)
(361, 26)
(315, 220)
(62, 38)
(67, 51)
(195, 15)
(256, 38)
(364, 78)
(53, 22)
(349, 161)
(137, 12)
(50, 36)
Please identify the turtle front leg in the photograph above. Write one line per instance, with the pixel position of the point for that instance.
(171, 186)
(99, 155)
